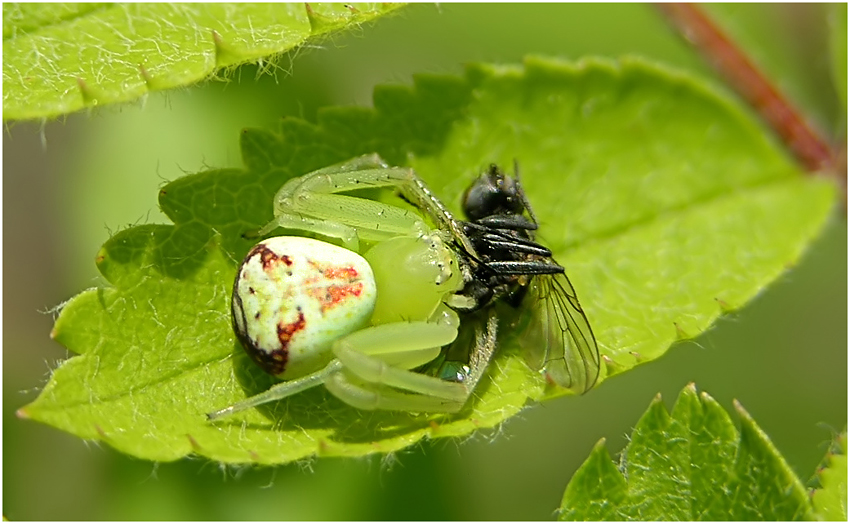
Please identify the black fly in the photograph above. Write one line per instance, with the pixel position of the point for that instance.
(509, 265)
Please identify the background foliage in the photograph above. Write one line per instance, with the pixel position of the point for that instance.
(783, 356)
(691, 464)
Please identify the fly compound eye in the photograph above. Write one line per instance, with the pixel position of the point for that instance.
(477, 198)
(492, 193)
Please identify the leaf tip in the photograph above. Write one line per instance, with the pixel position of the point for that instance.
(22, 413)
(435, 429)
(316, 21)
(612, 367)
(90, 96)
(225, 55)
(323, 447)
(740, 409)
(724, 306)
(706, 398)
(681, 334)
(146, 76)
(194, 443)
(748, 423)
(100, 260)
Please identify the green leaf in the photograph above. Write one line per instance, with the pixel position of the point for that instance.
(830, 500)
(59, 58)
(688, 465)
(665, 204)
(838, 50)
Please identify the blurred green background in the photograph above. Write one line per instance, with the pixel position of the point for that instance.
(68, 184)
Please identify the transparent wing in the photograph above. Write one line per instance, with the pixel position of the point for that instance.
(558, 337)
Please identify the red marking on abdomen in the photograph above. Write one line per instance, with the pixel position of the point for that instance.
(340, 273)
(268, 257)
(274, 361)
(331, 296)
(339, 293)
(285, 332)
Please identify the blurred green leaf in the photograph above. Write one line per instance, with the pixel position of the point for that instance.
(59, 58)
(664, 202)
(830, 500)
(838, 50)
(688, 465)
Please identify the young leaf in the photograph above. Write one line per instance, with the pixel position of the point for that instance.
(830, 499)
(59, 58)
(688, 465)
(664, 202)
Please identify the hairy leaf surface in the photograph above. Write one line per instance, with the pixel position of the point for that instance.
(59, 58)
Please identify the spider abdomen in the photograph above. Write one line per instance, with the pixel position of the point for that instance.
(293, 296)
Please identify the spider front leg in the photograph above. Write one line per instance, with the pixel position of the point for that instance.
(368, 381)
(376, 365)
(312, 203)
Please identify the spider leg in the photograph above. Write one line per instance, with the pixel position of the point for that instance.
(365, 354)
(280, 391)
(478, 360)
(373, 396)
(368, 382)
(347, 234)
(365, 172)
(369, 161)
(311, 203)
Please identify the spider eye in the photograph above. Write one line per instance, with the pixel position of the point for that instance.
(492, 193)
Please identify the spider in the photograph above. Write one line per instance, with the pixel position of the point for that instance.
(365, 328)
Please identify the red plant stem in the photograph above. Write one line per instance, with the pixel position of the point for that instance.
(812, 150)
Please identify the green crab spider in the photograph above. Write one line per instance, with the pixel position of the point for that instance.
(313, 313)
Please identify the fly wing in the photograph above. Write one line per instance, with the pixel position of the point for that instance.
(558, 338)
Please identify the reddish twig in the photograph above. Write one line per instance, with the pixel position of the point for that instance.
(811, 149)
